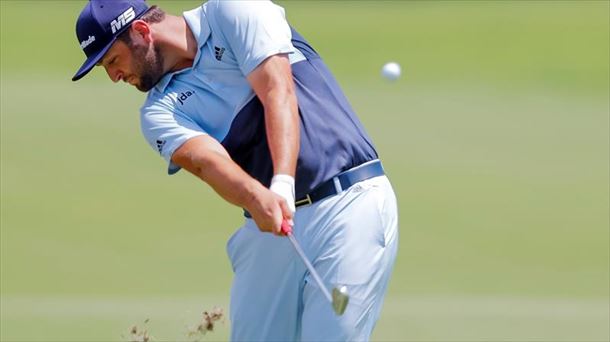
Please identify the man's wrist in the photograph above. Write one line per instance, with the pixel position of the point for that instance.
(251, 194)
(283, 178)
(283, 185)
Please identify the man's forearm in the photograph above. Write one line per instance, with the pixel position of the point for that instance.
(205, 158)
(282, 125)
(272, 81)
(229, 181)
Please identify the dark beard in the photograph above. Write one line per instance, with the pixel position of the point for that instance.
(149, 66)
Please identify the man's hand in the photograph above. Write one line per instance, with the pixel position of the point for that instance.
(268, 210)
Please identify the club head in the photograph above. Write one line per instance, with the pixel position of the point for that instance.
(340, 300)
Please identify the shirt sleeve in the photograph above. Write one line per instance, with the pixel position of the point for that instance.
(254, 30)
(165, 131)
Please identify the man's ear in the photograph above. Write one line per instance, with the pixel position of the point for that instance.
(141, 30)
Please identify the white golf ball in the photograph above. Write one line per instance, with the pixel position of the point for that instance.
(391, 71)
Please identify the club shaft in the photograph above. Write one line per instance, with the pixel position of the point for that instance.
(309, 266)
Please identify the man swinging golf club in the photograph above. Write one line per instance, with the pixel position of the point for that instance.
(241, 100)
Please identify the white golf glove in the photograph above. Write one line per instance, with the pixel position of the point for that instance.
(283, 185)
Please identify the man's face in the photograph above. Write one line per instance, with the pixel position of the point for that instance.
(140, 65)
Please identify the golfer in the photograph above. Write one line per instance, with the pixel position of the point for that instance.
(239, 99)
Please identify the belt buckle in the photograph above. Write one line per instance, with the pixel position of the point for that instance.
(305, 201)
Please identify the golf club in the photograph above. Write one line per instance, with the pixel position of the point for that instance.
(339, 297)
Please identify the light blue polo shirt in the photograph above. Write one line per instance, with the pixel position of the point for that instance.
(233, 39)
(213, 97)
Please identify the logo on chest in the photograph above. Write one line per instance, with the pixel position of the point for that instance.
(218, 51)
(185, 95)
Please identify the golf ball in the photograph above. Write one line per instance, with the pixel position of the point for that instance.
(391, 71)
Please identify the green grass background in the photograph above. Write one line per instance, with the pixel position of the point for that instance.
(495, 138)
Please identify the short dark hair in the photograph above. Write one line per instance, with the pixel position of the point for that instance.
(153, 15)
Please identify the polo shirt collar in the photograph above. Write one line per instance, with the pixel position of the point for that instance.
(198, 23)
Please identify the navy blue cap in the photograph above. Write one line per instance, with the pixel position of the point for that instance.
(99, 25)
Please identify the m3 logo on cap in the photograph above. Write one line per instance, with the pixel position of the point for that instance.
(122, 20)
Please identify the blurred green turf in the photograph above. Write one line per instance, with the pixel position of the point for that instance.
(496, 139)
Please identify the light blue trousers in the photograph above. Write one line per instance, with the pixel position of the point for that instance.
(350, 238)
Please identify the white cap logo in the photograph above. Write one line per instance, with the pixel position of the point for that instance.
(87, 42)
(122, 20)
